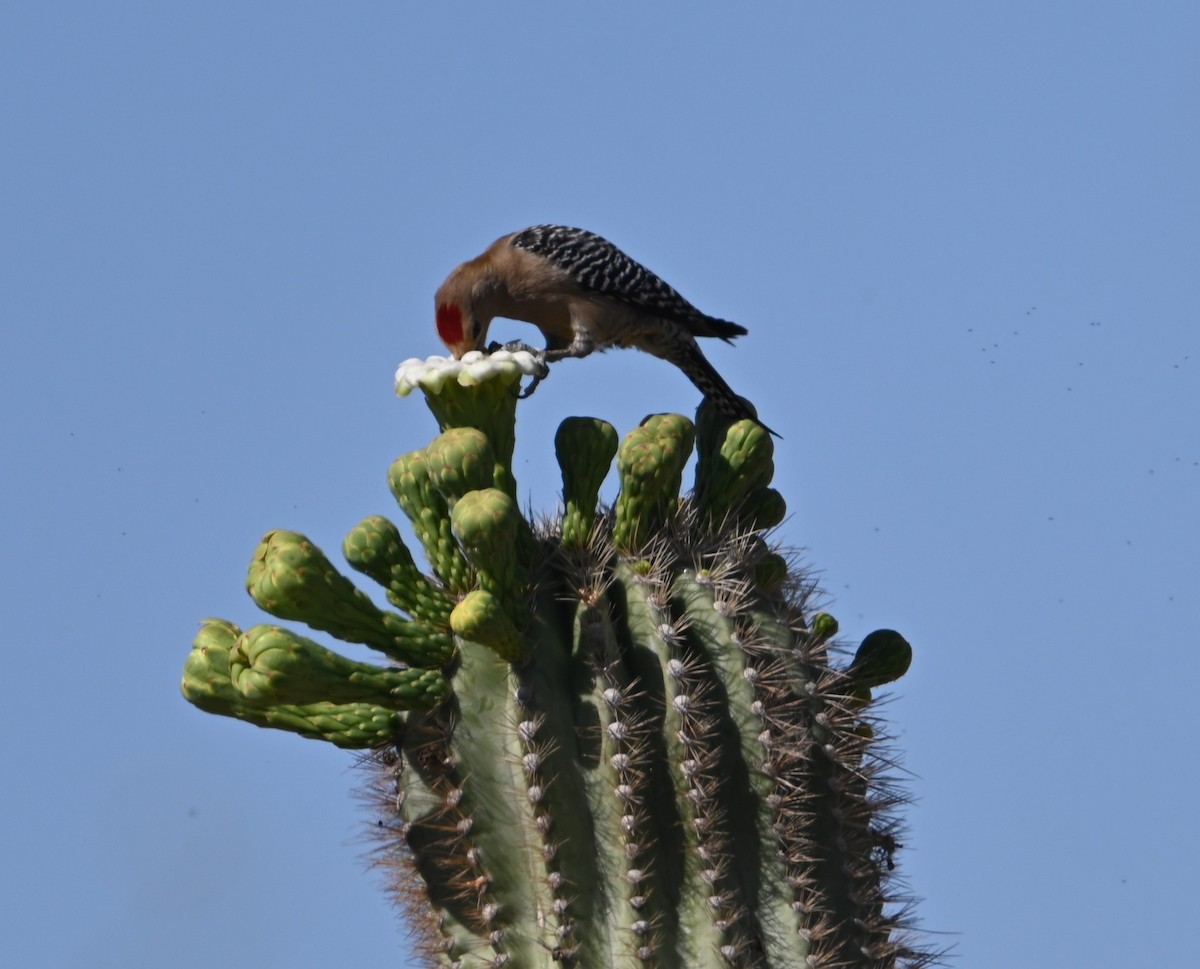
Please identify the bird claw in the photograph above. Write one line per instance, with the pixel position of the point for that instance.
(539, 359)
(513, 346)
(528, 391)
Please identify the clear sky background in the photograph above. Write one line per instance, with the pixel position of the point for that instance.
(965, 239)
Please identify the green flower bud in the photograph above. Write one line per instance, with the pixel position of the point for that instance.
(883, 657)
(650, 463)
(822, 627)
(585, 447)
(206, 682)
(771, 571)
(734, 460)
(291, 578)
(414, 490)
(207, 685)
(374, 548)
(271, 666)
(461, 460)
(481, 618)
(479, 391)
(764, 508)
(486, 523)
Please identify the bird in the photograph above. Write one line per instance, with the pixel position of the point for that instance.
(585, 295)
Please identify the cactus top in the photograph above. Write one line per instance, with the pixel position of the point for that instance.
(475, 367)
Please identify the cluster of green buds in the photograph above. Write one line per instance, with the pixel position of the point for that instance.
(619, 738)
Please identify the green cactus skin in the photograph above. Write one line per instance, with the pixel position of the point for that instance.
(636, 750)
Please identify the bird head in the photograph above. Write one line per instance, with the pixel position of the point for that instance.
(463, 308)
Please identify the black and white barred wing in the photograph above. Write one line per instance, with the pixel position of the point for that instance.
(600, 267)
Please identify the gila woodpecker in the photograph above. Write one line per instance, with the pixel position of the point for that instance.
(584, 294)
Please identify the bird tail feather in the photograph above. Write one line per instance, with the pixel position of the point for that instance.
(710, 383)
(723, 329)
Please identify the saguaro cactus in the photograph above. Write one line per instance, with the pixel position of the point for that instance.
(613, 739)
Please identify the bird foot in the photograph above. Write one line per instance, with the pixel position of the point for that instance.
(528, 391)
(513, 346)
(539, 358)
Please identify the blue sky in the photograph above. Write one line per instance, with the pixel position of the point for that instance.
(965, 243)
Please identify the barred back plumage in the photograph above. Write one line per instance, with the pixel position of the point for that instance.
(599, 266)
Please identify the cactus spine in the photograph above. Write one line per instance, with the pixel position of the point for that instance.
(617, 740)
